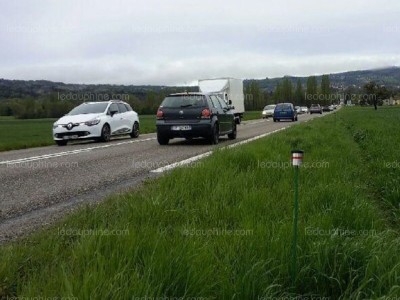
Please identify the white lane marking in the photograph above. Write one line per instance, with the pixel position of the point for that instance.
(203, 155)
(65, 153)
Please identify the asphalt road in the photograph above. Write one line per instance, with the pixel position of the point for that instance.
(40, 185)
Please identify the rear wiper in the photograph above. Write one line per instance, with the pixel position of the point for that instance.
(186, 105)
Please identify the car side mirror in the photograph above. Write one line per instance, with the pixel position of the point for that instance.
(113, 112)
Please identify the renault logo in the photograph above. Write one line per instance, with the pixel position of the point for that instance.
(181, 112)
(70, 126)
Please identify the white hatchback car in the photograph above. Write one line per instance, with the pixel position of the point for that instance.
(268, 111)
(98, 121)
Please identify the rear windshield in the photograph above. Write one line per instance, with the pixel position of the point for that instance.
(283, 107)
(184, 101)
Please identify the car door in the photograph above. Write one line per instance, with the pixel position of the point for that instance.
(126, 124)
(115, 120)
(226, 118)
(219, 112)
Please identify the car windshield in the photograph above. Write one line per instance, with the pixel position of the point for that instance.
(89, 108)
(184, 101)
(269, 107)
(283, 107)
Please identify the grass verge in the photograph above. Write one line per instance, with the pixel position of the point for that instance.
(222, 228)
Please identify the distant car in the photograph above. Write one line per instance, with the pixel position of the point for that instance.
(191, 115)
(326, 108)
(98, 121)
(298, 110)
(268, 111)
(315, 109)
(304, 109)
(285, 111)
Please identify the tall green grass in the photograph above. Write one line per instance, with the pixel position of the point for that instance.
(222, 228)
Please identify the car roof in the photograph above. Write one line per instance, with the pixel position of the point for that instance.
(188, 93)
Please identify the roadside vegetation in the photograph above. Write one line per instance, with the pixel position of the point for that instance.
(222, 227)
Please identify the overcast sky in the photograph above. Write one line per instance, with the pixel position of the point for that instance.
(177, 42)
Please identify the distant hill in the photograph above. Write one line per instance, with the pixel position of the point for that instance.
(389, 77)
(36, 88)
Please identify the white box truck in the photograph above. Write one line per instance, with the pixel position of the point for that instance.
(229, 89)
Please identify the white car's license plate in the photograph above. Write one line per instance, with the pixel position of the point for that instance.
(181, 127)
(70, 137)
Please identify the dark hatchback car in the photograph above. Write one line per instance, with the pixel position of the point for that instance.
(191, 115)
(285, 111)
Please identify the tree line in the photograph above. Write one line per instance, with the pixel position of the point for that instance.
(287, 90)
(292, 91)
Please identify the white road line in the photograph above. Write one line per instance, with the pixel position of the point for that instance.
(53, 155)
(203, 155)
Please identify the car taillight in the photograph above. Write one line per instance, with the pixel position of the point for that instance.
(160, 114)
(205, 113)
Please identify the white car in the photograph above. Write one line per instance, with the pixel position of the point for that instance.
(305, 109)
(268, 111)
(98, 121)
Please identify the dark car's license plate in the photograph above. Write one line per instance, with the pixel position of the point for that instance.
(181, 127)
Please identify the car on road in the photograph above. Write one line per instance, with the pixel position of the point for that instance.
(315, 109)
(98, 121)
(268, 111)
(305, 109)
(327, 108)
(192, 115)
(285, 111)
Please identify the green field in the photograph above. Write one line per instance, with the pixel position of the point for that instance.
(20, 134)
(252, 115)
(194, 233)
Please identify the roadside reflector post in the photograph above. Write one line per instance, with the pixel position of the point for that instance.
(297, 160)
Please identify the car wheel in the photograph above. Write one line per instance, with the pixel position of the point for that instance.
(233, 134)
(162, 140)
(135, 130)
(320, 113)
(214, 137)
(238, 120)
(296, 119)
(105, 133)
(61, 143)
(274, 120)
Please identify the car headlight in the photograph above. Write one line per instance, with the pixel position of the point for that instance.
(92, 122)
(55, 126)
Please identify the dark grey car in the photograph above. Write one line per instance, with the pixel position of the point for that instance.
(191, 115)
